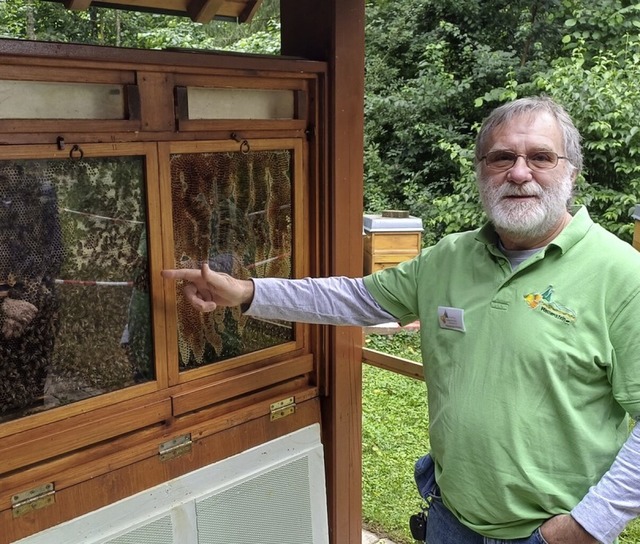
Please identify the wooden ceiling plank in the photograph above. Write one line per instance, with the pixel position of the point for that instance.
(202, 11)
(77, 5)
(249, 10)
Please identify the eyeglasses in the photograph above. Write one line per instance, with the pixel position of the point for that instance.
(503, 160)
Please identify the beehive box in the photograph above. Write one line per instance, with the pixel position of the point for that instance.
(389, 239)
(636, 232)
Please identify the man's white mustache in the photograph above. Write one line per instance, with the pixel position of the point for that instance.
(520, 191)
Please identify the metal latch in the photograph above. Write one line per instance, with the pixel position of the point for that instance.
(282, 408)
(34, 499)
(175, 447)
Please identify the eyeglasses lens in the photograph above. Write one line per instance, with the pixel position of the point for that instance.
(503, 160)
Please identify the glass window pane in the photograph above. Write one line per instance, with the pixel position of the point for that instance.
(234, 211)
(209, 103)
(45, 100)
(74, 291)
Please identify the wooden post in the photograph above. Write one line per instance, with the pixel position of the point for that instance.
(333, 31)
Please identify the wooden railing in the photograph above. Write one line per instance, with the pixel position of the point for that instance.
(399, 365)
(395, 364)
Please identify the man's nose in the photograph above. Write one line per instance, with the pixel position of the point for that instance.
(520, 171)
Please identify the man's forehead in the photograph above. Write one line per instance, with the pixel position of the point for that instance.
(539, 128)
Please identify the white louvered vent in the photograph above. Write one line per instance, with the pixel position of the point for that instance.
(156, 532)
(275, 508)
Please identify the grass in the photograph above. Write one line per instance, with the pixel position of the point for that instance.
(394, 434)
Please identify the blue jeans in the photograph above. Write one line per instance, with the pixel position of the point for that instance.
(444, 528)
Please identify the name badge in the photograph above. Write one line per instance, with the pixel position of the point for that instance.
(451, 318)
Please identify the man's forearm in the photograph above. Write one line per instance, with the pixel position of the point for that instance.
(327, 301)
(615, 500)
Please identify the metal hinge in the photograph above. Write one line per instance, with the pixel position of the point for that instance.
(282, 408)
(175, 447)
(31, 500)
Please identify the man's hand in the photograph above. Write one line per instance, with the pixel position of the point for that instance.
(564, 529)
(206, 289)
(17, 315)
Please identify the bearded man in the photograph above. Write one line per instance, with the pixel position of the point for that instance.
(530, 344)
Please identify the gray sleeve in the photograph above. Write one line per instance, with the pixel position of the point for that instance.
(615, 500)
(327, 301)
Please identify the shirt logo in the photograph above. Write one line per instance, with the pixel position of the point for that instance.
(451, 318)
(543, 302)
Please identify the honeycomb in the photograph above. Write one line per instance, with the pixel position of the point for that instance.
(232, 210)
(72, 276)
(31, 254)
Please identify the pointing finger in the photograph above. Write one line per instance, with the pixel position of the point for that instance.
(189, 274)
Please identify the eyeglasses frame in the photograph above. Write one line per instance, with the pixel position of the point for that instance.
(526, 160)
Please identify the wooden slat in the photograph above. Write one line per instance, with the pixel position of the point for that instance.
(256, 81)
(156, 99)
(167, 242)
(346, 125)
(249, 10)
(240, 125)
(90, 149)
(32, 446)
(70, 75)
(77, 5)
(202, 11)
(397, 242)
(241, 384)
(154, 233)
(242, 10)
(61, 126)
(49, 55)
(398, 365)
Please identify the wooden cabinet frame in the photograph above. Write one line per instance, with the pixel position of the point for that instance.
(111, 437)
(301, 233)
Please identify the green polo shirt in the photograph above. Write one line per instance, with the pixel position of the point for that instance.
(529, 372)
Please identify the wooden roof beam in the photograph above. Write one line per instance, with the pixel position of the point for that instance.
(77, 5)
(202, 11)
(249, 10)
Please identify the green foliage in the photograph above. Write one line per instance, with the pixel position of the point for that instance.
(601, 93)
(631, 535)
(431, 78)
(599, 26)
(420, 76)
(423, 76)
(456, 211)
(266, 41)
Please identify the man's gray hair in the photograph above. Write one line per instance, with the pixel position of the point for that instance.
(527, 106)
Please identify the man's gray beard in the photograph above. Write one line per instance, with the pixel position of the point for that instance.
(526, 220)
